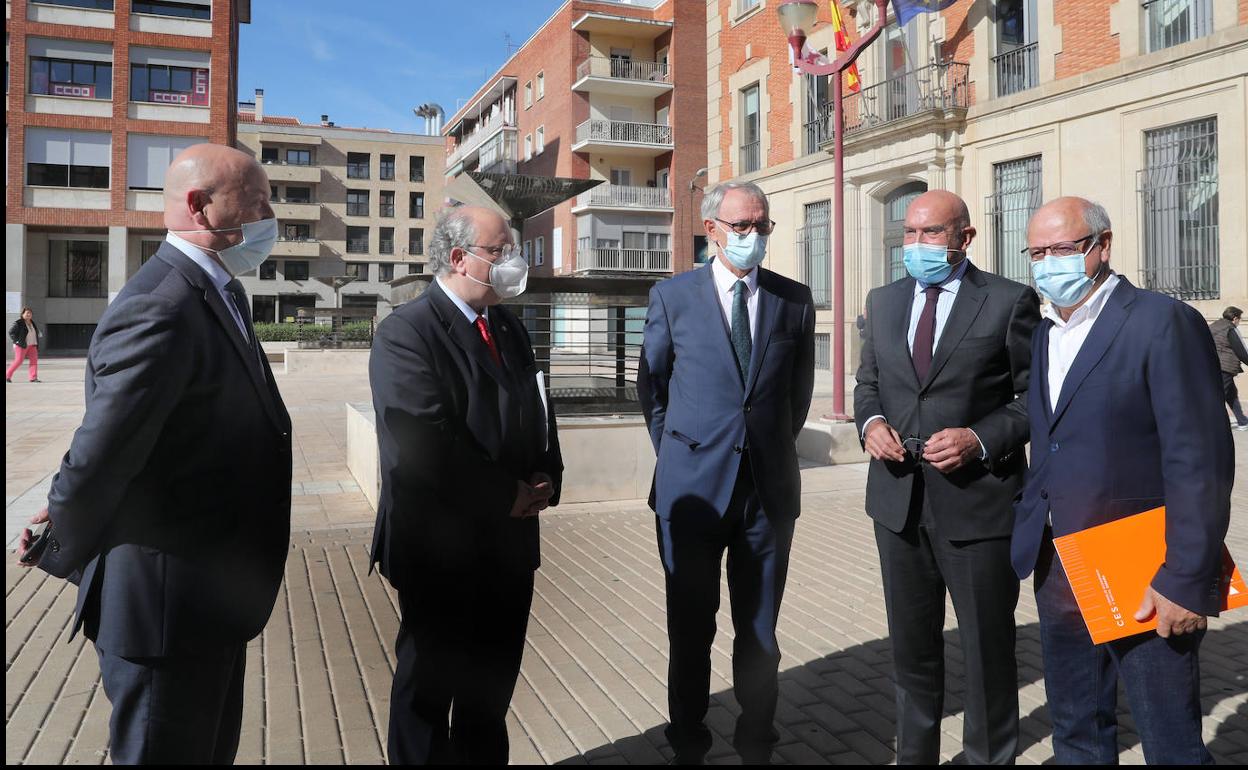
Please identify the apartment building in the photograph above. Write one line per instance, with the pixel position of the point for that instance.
(351, 203)
(1140, 105)
(101, 94)
(613, 91)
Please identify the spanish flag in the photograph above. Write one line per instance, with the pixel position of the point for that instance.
(853, 83)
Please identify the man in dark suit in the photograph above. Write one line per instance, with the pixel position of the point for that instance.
(725, 382)
(469, 456)
(1126, 415)
(939, 405)
(171, 509)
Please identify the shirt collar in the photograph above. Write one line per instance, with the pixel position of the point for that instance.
(464, 307)
(215, 272)
(1088, 311)
(951, 283)
(725, 280)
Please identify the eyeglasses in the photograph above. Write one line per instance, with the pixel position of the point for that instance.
(505, 251)
(1059, 249)
(763, 227)
(914, 447)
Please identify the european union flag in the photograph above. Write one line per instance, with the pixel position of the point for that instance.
(905, 10)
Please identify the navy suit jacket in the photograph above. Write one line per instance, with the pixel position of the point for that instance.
(1140, 422)
(700, 413)
(172, 507)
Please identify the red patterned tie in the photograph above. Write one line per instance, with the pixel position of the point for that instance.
(489, 341)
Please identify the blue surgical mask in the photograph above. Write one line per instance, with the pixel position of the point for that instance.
(258, 240)
(927, 262)
(1064, 281)
(745, 252)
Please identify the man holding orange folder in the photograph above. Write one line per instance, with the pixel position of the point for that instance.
(1126, 416)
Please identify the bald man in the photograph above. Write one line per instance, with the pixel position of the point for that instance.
(171, 510)
(940, 405)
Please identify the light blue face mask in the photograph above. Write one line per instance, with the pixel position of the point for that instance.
(745, 252)
(1064, 281)
(928, 262)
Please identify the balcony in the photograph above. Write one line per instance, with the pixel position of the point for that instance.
(622, 77)
(599, 135)
(297, 247)
(1016, 70)
(628, 197)
(280, 171)
(295, 210)
(624, 260)
(473, 141)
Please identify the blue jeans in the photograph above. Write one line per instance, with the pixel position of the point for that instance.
(1161, 677)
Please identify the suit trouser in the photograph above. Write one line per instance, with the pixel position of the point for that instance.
(175, 710)
(461, 638)
(918, 567)
(1232, 397)
(691, 547)
(1161, 678)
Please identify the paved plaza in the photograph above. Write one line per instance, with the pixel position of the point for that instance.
(592, 685)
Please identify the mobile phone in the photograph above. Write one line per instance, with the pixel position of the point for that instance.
(39, 537)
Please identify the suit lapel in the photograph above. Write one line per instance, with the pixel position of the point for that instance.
(710, 294)
(1104, 329)
(904, 299)
(966, 305)
(466, 335)
(1042, 355)
(768, 311)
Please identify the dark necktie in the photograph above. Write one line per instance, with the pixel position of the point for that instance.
(235, 290)
(741, 343)
(489, 340)
(925, 334)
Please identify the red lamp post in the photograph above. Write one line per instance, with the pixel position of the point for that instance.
(796, 18)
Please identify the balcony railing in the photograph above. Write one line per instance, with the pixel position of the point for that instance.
(626, 196)
(599, 130)
(623, 69)
(625, 260)
(272, 162)
(936, 87)
(750, 157)
(1017, 70)
(484, 130)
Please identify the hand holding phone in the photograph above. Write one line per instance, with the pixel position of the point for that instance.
(34, 541)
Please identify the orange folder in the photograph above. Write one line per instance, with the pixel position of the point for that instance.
(1110, 565)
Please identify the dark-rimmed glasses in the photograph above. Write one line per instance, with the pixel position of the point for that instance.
(745, 225)
(1059, 249)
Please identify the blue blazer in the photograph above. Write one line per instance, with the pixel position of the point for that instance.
(1140, 423)
(700, 413)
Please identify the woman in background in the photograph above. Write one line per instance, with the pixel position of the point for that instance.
(25, 336)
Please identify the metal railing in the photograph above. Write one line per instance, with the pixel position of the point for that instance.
(484, 130)
(272, 162)
(623, 69)
(814, 248)
(750, 156)
(936, 87)
(1172, 22)
(626, 196)
(292, 200)
(599, 130)
(624, 260)
(818, 129)
(308, 239)
(498, 158)
(1017, 70)
(357, 245)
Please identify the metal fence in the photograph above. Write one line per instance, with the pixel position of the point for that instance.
(625, 69)
(1017, 191)
(936, 87)
(1171, 22)
(597, 129)
(626, 196)
(818, 130)
(1017, 70)
(750, 160)
(625, 260)
(814, 248)
(1178, 189)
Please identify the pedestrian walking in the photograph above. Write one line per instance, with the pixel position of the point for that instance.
(25, 335)
(1231, 354)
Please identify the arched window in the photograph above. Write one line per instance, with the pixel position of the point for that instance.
(895, 206)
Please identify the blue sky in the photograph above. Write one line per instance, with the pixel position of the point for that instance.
(369, 62)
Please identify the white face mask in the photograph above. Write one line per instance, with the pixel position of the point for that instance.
(258, 240)
(509, 274)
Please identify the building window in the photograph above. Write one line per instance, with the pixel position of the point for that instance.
(1171, 22)
(894, 228)
(527, 251)
(823, 352)
(268, 270)
(296, 270)
(416, 241)
(293, 231)
(528, 147)
(387, 167)
(744, 6)
(75, 79)
(357, 240)
(751, 127)
(1017, 191)
(1017, 63)
(300, 195)
(357, 165)
(416, 205)
(814, 241)
(187, 10)
(818, 123)
(147, 250)
(299, 157)
(385, 244)
(77, 268)
(263, 308)
(528, 94)
(416, 169)
(357, 270)
(539, 250)
(385, 272)
(541, 85)
(167, 84)
(148, 158)
(416, 269)
(1179, 210)
(98, 5)
(540, 141)
(268, 155)
(357, 203)
(386, 204)
(59, 158)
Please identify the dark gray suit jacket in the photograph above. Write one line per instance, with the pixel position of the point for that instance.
(172, 506)
(978, 380)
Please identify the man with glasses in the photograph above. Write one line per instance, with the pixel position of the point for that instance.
(725, 382)
(469, 457)
(940, 408)
(1126, 415)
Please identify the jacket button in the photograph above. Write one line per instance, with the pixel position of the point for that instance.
(54, 544)
(747, 408)
(737, 449)
(922, 398)
(1053, 447)
(1044, 494)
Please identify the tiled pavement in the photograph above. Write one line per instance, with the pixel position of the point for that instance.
(592, 685)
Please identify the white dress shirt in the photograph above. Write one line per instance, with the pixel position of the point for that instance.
(216, 274)
(464, 307)
(1066, 338)
(724, 281)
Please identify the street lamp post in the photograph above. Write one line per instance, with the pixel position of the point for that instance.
(797, 17)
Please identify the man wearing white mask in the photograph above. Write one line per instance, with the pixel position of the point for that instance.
(940, 406)
(469, 457)
(171, 510)
(725, 382)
